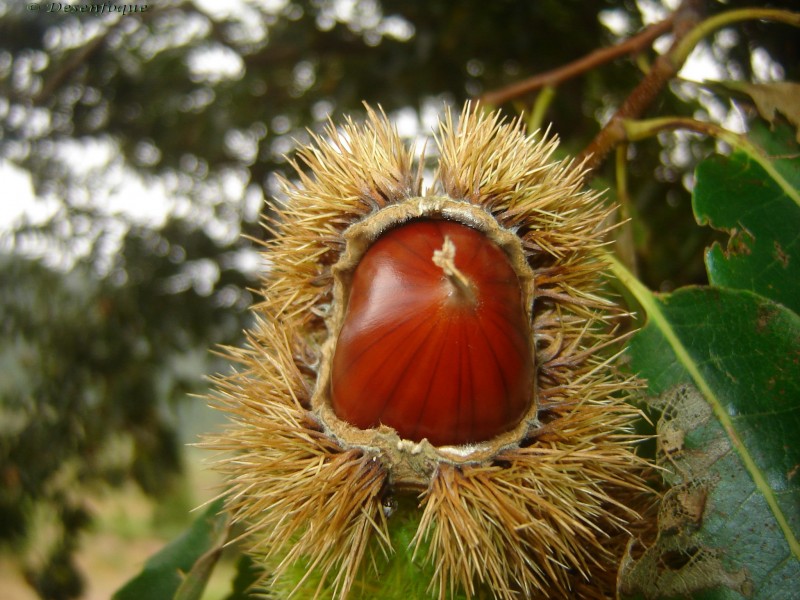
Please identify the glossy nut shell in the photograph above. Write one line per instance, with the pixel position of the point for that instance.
(435, 340)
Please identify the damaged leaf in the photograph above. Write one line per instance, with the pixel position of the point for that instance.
(771, 98)
(724, 364)
(698, 466)
(737, 195)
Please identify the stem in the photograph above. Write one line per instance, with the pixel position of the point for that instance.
(540, 106)
(639, 130)
(626, 246)
(598, 57)
(445, 260)
(684, 48)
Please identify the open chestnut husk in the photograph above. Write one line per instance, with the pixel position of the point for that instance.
(447, 350)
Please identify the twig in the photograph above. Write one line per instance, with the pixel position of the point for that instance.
(687, 44)
(70, 65)
(79, 58)
(642, 96)
(689, 30)
(553, 77)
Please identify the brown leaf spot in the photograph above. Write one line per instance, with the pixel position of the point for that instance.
(682, 508)
(740, 243)
(780, 255)
(671, 441)
(765, 316)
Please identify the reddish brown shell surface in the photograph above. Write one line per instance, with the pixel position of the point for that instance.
(425, 356)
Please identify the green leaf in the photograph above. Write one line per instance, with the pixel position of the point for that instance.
(726, 364)
(182, 568)
(782, 150)
(737, 195)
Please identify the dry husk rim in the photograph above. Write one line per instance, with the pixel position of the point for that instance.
(411, 464)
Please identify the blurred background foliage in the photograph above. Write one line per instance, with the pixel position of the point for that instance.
(137, 152)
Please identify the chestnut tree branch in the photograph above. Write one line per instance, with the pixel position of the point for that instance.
(686, 18)
(689, 31)
(553, 77)
(72, 63)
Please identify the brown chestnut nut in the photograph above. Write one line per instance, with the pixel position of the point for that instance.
(435, 341)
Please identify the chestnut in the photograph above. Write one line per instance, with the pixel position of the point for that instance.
(435, 341)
